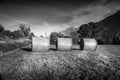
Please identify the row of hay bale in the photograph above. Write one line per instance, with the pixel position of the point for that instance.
(62, 44)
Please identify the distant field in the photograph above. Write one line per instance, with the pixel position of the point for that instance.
(102, 64)
(10, 45)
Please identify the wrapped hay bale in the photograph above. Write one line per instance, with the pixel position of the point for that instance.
(40, 44)
(64, 44)
(88, 44)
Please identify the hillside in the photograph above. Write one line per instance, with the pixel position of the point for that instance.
(69, 30)
(112, 23)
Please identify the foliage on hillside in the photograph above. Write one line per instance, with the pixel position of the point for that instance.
(54, 36)
(91, 30)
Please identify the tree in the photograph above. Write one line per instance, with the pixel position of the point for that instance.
(1, 29)
(54, 36)
(8, 33)
(75, 36)
(83, 30)
(27, 33)
(31, 35)
(2, 36)
(17, 34)
(22, 32)
(116, 38)
(25, 30)
(91, 30)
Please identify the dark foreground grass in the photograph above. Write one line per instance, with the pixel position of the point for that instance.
(5, 47)
(103, 64)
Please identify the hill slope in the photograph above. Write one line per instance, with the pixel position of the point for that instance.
(112, 23)
(69, 30)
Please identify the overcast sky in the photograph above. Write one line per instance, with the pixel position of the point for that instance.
(45, 16)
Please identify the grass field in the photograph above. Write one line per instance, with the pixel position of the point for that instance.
(10, 45)
(102, 64)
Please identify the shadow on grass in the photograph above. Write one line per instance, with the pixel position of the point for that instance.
(53, 49)
(30, 49)
(27, 49)
(1, 77)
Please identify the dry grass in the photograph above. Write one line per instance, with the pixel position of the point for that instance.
(10, 45)
(103, 64)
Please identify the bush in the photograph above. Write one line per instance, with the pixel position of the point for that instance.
(54, 36)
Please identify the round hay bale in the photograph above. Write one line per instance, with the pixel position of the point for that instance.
(88, 44)
(64, 44)
(40, 44)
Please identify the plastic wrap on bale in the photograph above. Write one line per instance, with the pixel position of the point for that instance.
(40, 44)
(88, 44)
(64, 44)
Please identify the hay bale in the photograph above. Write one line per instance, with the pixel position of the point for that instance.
(64, 44)
(40, 44)
(88, 44)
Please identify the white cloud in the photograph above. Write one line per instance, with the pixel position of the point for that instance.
(44, 28)
(12, 23)
(47, 28)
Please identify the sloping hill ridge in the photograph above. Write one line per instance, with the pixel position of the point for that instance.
(69, 30)
(112, 23)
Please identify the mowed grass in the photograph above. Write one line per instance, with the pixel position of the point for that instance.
(102, 64)
(9, 45)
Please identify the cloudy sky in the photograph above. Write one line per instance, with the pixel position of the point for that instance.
(45, 16)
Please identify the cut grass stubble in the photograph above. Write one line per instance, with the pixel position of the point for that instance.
(69, 65)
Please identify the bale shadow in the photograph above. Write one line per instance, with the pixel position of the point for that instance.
(1, 77)
(27, 49)
(53, 49)
(30, 49)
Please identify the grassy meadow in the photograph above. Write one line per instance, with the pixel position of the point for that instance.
(9, 45)
(102, 64)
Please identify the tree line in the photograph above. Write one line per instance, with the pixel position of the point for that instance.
(22, 32)
(90, 30)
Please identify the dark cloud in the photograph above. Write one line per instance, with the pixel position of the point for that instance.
(59, 19)
(59, 1)
(105, 2)
(83, 13)
(75, 3)
(53, 15)
(51, 2)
